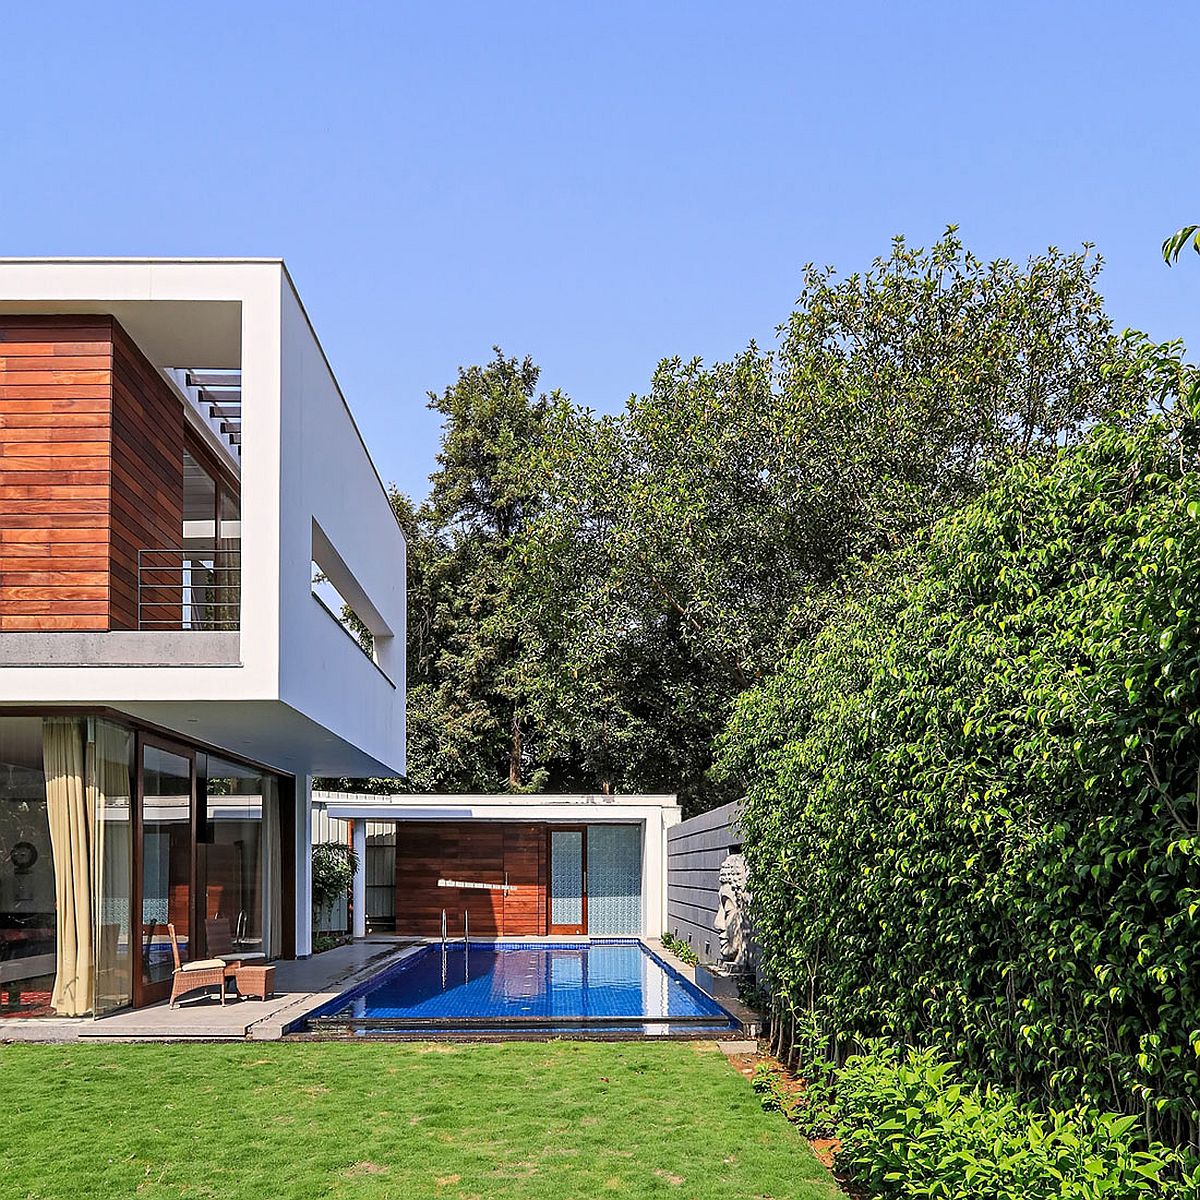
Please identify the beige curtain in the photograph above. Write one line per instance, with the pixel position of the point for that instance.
(273, 874)
(69, 808)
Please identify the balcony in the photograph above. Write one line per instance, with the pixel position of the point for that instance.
(188, 606)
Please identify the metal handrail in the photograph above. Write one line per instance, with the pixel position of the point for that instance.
(187, 588)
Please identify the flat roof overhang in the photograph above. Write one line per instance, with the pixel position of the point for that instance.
(580, 809)
(268, 732)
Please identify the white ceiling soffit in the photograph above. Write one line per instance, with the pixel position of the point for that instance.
(167, 331)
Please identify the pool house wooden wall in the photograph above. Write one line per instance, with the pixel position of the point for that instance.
(479, 852)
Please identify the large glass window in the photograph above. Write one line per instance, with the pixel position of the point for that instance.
(27, 896)
(166, 860)
(80, 931)
(235, 856)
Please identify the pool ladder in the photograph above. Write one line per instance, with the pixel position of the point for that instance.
(466, 928)
(466, 946)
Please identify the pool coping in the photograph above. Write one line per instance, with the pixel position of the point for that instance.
(750, 1019)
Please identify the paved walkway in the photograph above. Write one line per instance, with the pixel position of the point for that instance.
(299, 987)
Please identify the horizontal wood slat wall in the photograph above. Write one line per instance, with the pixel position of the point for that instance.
(91, 471)
(146, 502)
(477, 852)
(55, 431)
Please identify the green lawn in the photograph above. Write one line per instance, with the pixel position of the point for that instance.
(561, 1120)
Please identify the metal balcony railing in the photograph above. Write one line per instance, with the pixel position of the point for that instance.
(182, 588)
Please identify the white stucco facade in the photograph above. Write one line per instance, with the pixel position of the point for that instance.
(300, 693)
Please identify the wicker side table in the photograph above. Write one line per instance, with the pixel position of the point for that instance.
(255, 979)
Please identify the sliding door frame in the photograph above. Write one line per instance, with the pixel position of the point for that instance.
(150, 993)
(553, 929)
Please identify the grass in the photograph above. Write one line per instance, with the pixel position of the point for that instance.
(368, 1121)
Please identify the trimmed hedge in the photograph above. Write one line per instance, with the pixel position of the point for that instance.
(972, 808)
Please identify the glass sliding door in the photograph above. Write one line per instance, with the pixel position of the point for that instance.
(107, 837)
(198, 577)
(234, 856)
(229, 559)
(614, 880)
(209, 561)
(567, 893)
(165, 840)
(28, 933)
(66, 944)
(210, 861)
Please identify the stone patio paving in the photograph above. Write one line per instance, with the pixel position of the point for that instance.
(299, 987)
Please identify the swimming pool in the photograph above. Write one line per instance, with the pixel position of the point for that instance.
(613, 988)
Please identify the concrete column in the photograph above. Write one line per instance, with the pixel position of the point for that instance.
(358, 891)
(304, 904)
(666, 819)
(653, 874)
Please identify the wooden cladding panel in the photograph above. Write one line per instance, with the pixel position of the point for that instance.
(475, 852)
(55, 389)
(91, 472)
(146, 510)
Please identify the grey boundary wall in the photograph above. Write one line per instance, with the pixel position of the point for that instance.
(695, 850)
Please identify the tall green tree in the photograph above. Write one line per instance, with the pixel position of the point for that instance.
(687, 543)
(470, 719)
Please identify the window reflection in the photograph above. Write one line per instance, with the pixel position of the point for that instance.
(235, 853)
(27, 906)
(166, 860)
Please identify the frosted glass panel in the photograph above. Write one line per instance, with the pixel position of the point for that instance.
(614, 854)
(566, 877)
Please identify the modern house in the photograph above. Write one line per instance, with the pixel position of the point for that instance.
(508, 866)
(186, 511)
(177, 465)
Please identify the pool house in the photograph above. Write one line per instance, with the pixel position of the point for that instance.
(505, 866)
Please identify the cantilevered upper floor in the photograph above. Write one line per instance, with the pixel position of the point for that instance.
(177, 464)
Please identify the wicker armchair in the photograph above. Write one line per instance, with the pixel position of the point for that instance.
(189, 977)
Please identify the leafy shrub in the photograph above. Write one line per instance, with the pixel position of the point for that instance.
(972, 809)
(811, 1105)
(333, 868)
(911, 1128)
(765, 1081)
(328, 941)
(680, 948)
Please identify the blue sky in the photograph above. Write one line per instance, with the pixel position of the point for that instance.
(601, 185)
